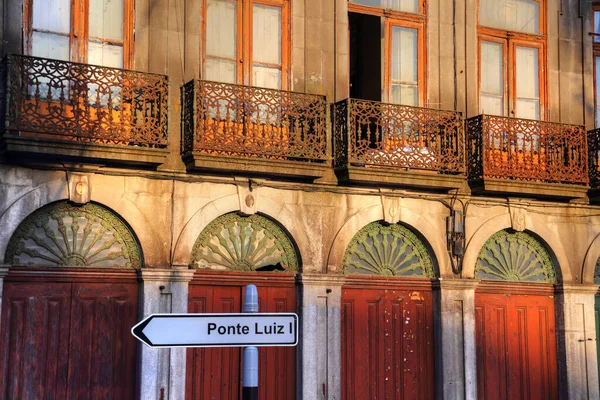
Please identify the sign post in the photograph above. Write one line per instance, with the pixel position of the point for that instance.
(249, 329)
(250, 363)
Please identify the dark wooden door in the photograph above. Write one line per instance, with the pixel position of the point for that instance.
(516, 343)
(215, 373)
(68, 339)
(387, 339)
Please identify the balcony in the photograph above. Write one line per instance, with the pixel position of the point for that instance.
(57, 111)
(527, 157)
(254, 131)
(388, 144)
(594, 163)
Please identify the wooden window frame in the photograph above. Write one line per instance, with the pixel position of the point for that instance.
(510, 41)
(391, 18)
(419, 27)
(596, 53)
(79, 32)
(245, 62)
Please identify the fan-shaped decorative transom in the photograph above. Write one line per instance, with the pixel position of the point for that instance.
(64, 235)
(515, 257)
(597, 272)
(389, 250)
(235, 243)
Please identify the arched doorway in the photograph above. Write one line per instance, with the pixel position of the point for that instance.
(515, 320)
(230, 253)
(387, 315)
(69, 301)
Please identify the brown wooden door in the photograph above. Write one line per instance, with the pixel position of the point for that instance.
(215, 373)
(387, 339)
(516, 343)
(68, 339)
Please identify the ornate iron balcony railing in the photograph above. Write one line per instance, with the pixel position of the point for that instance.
(244, 121)
(390, 135)
(526, 150)
(594, 157)
(84, 103)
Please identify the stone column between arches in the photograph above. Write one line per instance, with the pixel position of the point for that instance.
(576, 334)
(455, 362)
(320, 336)
(162, 291)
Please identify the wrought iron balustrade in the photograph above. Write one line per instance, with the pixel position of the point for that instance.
(526, 150)
(83, 103)
(243, 121)
(391, 135)
(594, 157)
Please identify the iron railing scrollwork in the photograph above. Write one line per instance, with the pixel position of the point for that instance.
(526, 150)
(594, 157)
(245, 121)
(391, 135)
(85, 103)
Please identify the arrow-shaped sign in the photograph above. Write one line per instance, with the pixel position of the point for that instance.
(218, 330)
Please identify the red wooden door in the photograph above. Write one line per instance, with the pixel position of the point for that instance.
(516, 342)
(215, 373)
(387, 339)
(68, 339)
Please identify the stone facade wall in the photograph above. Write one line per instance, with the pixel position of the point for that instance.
(168, 214)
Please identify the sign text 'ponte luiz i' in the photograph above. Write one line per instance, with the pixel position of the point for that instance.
(218, 330)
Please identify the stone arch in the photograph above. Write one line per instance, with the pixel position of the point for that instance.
(514, 256)
(590, 272)
(255, 243)
(431, 235)
(538, 228)
(28, 202)
(61, 234)
(388, 250)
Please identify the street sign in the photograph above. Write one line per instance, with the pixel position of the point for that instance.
(218, 330)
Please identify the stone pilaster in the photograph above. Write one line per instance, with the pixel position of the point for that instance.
(163, 291)
(320, 343)
(456, 366)
(576, 335)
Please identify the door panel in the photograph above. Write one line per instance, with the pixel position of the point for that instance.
(215, 373)
(67, 340)
(102, 352)
(387, 343)
(35, 338)
(516, 346)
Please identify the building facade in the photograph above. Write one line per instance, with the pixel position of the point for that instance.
(417, 180)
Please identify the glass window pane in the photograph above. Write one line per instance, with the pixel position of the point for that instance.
(48, 45)
(527, 72)
(266, 77)
(597, 25)
(510, 15)
(411, 6)
(220, 71)
(266, 34)
(529, 109)
(221, 28)
(106, 19)
(404, 55)
(407, 95)
(52, 15)
(105, 55)
(492, 74)
(489, 104)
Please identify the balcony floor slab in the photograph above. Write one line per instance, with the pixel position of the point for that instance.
(37, 149)
(528, 189)
(254, 166)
